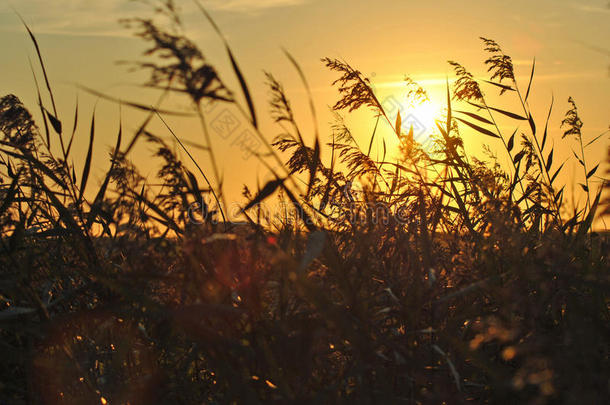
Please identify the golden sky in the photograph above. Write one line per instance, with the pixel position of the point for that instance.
(81, 42)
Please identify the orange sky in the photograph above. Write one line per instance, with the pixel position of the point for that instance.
(81, 41)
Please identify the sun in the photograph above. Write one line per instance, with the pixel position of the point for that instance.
(423, 117)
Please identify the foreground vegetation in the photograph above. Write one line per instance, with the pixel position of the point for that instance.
(432, 278)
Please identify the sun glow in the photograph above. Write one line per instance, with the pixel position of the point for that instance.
(423, 117)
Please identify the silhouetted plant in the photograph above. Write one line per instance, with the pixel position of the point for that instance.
(434, 277)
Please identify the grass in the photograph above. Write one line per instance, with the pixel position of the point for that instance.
(433, 278)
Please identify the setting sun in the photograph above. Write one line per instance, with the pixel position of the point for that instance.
(427, 113)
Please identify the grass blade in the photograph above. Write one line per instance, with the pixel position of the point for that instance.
(500, 85)
(312, 107)
(196, 165)
(595, 139)
(518, 157)
(313, 166)
(67, 152)
(592, 172)
(40, 59)
(511, 142)
(240, 76)
(244, 87)
(559, 195)
(137, 106)
(42, 109)
(368, 153)
(582, 163)
(55, 123)
(265, 192)
(475, 116)
(448, 106)
(87, 167)
(529, 85)
(509, 114)
(546, 125)
(532, 124)
(102, 191)
(477, 106)
(478, 128)
(141, 130)
(398, 124)
(557, 172)
(585, 226)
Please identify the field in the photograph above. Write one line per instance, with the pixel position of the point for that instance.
(435, 278)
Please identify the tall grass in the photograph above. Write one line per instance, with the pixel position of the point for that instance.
(432, 278)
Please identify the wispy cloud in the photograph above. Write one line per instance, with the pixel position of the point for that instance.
(100, 18)
(68, 17)
(589, 8)
(250, 6)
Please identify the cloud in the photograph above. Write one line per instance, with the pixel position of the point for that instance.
(100, 18)
(250, 6)
(68, 17)
(591, 8)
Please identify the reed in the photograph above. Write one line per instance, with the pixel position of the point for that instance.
(435, 277)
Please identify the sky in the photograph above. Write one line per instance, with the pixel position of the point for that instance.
(82, 42)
